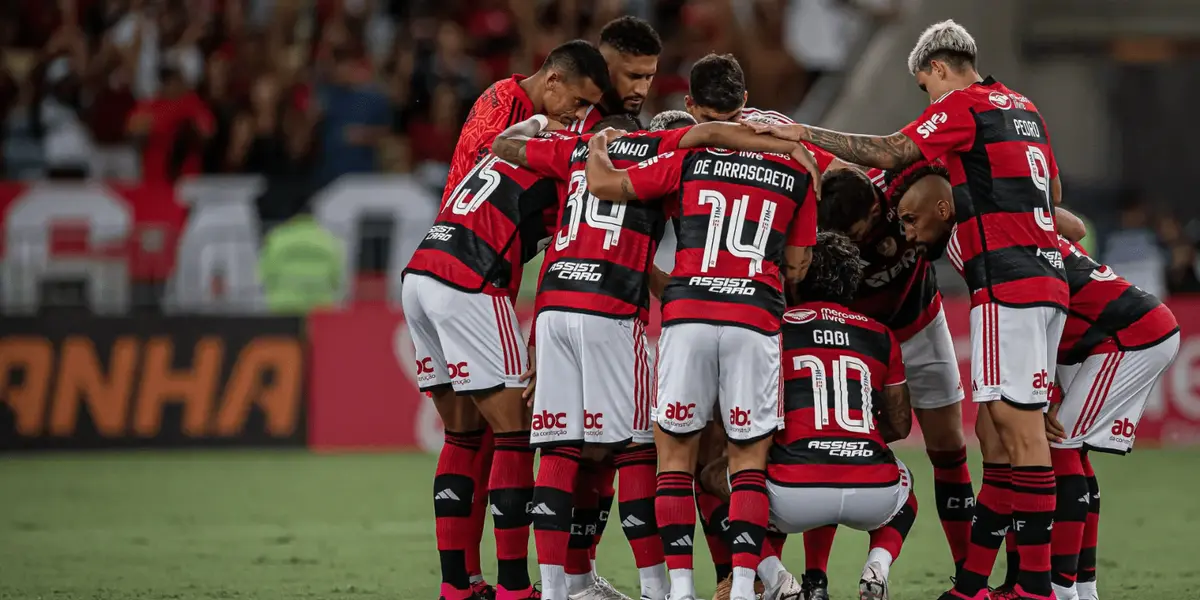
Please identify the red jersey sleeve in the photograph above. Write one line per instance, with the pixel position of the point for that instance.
(803, 231)
(551, 156)
(499, 106)
(669, 138)
(895, 374)
(946, 126)
(658, 176)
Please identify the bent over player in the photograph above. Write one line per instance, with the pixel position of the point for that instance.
(1002, 232)
(744, 222)
(845, 399)
(592, 308)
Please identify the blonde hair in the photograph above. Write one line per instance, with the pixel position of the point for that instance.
(943, 37)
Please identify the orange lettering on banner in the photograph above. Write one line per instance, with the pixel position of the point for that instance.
(35, 357)
(194, 387)
(283, 359)
(82, 381)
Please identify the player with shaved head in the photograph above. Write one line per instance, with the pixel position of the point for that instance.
(1002, 237)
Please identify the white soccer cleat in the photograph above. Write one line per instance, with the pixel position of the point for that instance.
(786, 587)
(601, 589)
(873, 584)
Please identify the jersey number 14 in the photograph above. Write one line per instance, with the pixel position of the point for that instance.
(733, 228)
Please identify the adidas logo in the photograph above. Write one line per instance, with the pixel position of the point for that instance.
(542, 509)
(632, 521)
(1051, 527)
(743, 538)
(446, 494)
(683, 541)
(496, 511)
(1000, 532)
(1086, 498)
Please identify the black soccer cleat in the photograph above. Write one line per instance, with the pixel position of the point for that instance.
(814, 585)
(481, 590)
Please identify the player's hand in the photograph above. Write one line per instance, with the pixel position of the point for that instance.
(805, 157)
(529, 376)
(790, 131)
(1054, 429)
(601, 140)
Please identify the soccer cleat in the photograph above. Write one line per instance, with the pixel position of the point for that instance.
(482, 590)
(530, 593)
(1004, 592)
(957, 595)
(600, 589)
(814, 585)
(1020, 594)
(873, 585)
(785, 587)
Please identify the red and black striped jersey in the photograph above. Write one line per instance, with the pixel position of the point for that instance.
(734, 213)
(899, 287)
(590, 118)
(1107, 312)
(836, 364)
(500, 106)
(997, 149)
(599, 260)
(497, 219)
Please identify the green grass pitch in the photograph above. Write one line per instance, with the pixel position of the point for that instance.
(289, 525)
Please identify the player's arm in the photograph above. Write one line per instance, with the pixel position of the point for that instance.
(733, 136)
(1069, 225)
(894, 151)
(510, 145)
(651, 178)
(658, 281)
(895, 416)
(796, 260)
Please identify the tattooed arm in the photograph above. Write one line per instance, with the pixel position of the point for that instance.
(510, 144)
(895, 416)
(604, 180)
(894, 151)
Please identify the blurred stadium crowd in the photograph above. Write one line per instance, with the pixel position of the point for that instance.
(304, 91)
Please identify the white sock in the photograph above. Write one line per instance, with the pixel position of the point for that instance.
(578, 583)
(477, 578)
(654, 582)
(1065, 593)
(743, 584)
(769, 570)
(554, 582)
(682, 585)
(883, 557)
(1087, 590)
(593, 566)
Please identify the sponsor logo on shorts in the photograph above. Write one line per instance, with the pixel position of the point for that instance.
(1123, 430)
(425, 372)
(593, 423)
(842, 448)
(724, 285)
(679, 412)
(549, 424)
(799, 316)
(459, 373)
(1041, 384)
(739, 420)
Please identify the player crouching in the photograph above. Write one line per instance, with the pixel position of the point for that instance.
(845, 399)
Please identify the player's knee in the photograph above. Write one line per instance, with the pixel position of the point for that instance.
(942, 428)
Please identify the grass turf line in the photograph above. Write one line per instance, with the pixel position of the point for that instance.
(287, 525)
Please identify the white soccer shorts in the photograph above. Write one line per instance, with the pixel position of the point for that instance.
(931, 366)
(699, 363)
(595, 382)
(471, 341)
(1014, 352)
(799, 509)
(1104, 396)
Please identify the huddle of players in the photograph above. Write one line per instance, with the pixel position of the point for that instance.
(603, 201)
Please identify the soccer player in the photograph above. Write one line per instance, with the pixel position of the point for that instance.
(745, 222)
(1118, 341)
(900, 290)
(1003, 240)
(630, 47)
(572, 77)
(717, 92)
(845, 399)
(592, 308)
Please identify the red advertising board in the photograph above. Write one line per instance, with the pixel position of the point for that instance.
(363, 395)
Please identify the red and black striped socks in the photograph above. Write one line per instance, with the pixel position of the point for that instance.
(511, 491)
(676, 517)
(714, 516)
(454, 491)
(1086, 582)
(992, 520)
(1033, 504)
(955, 498)
(636, 467)
(1070, 516)
(551, 515)
(749, 512)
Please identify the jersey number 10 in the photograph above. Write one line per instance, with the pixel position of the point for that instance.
(841, 392)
